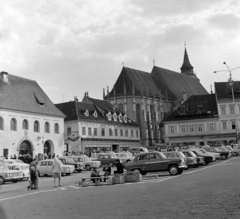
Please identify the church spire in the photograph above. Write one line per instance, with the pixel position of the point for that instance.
(186, 68)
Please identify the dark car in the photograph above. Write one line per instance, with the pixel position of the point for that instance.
(69, 161)
(110, 158)
(154, 162)
(190, 154)
(207, 158)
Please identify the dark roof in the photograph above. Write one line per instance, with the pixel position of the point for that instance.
(21, 94)
(196, 107)
(186, 63)
(164, 82)
(224, 91)
(75, 110)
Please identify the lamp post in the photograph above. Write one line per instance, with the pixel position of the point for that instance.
(231, 84)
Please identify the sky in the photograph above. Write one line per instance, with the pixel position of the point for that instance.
(78, 46)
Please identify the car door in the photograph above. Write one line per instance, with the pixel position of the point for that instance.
(42, 168)
(157, 163)
(49, 167)
(143, 162)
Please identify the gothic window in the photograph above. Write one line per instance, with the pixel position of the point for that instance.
(138, 113)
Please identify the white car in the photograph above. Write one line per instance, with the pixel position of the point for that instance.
(12, 161)
(214, 155)
(125, 157)
(23, 167)
(45, 168)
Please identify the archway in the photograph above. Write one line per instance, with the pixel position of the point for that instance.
(25, 148)
(48, 148)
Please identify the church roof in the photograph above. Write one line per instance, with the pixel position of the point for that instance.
(25, 95)
(224, 91)
(164, 82)
(196, 107)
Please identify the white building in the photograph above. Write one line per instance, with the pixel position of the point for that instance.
(29, 121)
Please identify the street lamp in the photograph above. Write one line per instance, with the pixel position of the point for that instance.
(231, 84)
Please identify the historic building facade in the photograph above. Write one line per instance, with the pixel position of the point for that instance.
(97, 125)
(147, 98)
(29, 121)
(206, 119)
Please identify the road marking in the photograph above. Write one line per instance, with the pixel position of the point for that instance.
(75, 187)
(61, 188)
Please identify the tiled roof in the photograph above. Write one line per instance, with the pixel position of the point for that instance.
(196, 107)
(224, 91)
(21, 94)
(164, 82)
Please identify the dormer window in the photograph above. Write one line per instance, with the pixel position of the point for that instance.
(86, 113)
(115, 117)
(95, 114)
(125, 118)
(109, 115)
(120, 117)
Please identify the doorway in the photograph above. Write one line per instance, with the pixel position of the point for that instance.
(25, 148)
(115, 147)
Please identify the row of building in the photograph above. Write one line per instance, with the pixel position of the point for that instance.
(142, 109)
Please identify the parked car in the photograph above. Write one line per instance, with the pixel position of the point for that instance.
(45, 168)
(125, 157)
(207, 158)
(176, 154)
(200, 160)
(69, 161)
(223, 154)
(23, 167)
(110, 158)
(12, 161)
(138, 149)
(87, 163)
(214, 154)
(156, 161)
(7, 175)
(233, 151)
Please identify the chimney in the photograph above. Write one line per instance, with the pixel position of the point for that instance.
(103, 93)
(184, 96)
(4, 76)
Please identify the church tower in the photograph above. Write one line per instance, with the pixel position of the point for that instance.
(187, 68)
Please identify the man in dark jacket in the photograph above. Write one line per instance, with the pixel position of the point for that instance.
(119, 167)
(34, 164)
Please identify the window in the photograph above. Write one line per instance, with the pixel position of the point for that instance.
(137, 133)
(115, 117)
(47, 127)
(120, 107)
(56, 128)
(1, 123)
(110, 132)
(13, 124)
(25, 124)
(223, 110)
(36, 126)
(120, 117)
(103, 131)
(83, 130)
(125, 118)
(95, 131)
(200, 127)
(132, 133)
(69, 130)
(116, 132)
(171, 129)
(89, 131)
(232, 110)
(95, 114)
(44, 163)
(233, 124)
(126, 133)
(183, 128)
(121, 132)
(191, 128)
(86, 113)
(211, 127)
(224, 125)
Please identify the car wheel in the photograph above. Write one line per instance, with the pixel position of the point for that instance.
(79, 171)
(196, 165)
(111, 164)
(15, 180)
(173, 170)
(88, 167)
(68, 174)
(38, 173)
(144, 173)
(137, 171)
(2, 181)
(128, 161)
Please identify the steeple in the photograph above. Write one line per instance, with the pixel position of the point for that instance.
(187, 68)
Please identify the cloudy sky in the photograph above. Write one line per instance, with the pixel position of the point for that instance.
(70, 47)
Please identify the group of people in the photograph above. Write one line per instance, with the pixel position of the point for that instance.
(95, 174)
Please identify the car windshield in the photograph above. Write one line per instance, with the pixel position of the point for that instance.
(161, 154)
(24, 167)
(3, 167)
(113, 156)
(14, 167)
(229, 148)
(203, 151)
(70, 160)
(87, 159)
(63, 161)
(129, 153)
(223, 149)
(192, 154)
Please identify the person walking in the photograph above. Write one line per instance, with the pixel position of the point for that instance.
(34, 165)
(57, 171)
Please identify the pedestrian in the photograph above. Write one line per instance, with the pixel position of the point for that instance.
(119, 167)
(107, 170)
(57, 171)
(94, 174)
(33, 177)
(34, 164)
